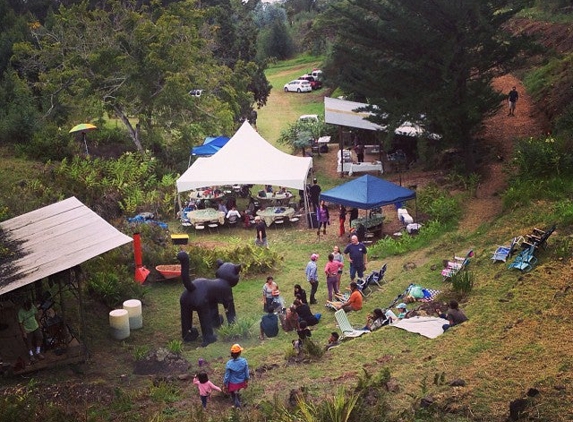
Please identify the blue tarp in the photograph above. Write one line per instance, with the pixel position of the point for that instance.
(367, 192)
(219, 141)
(210, 146)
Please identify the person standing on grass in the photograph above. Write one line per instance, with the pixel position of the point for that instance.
(314, 192)
(201, 380)
(357, 256)
(236, 375)
(512, 98)
(331, 270)
(323, 217)
(30, 328)
(312, 277)
(341, 220)
(340, 258)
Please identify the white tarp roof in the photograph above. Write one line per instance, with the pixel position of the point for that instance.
(247, 159)
(56, 238)
(342, 113)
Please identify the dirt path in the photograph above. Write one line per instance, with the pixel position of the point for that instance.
(500, 133)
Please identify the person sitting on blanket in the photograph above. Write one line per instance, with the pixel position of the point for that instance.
(415, 293)
(391, 316)
(353, 303)
(402, 310)
(454, 315)
(376, 320)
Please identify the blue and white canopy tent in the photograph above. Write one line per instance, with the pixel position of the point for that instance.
(368, 192)
(211, 145)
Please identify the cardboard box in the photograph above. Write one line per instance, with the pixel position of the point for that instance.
(180, 239)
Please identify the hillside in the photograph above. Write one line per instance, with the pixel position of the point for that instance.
(517, 340)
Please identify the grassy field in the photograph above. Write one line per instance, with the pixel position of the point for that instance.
(518, 336)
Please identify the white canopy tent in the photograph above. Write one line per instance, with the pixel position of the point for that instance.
(247, 159)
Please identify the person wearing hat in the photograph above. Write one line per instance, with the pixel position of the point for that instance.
(236, 374)
(402, 309)
(312, 277)
(261, 228)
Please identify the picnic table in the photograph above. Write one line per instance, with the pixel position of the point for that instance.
(270, 214)
(208, 215)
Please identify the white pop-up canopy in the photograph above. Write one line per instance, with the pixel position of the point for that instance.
(247, 159)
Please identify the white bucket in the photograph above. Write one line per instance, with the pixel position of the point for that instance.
(119, 324)
(133, 308)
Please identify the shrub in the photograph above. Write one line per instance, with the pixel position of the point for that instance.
(439, 204)
(175, 346)
(112, 288)
(242, 328)
(463, 282)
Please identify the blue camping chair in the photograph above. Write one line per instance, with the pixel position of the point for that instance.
(525, 260)
(502, 253)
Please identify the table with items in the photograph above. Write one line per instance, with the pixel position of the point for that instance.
(270, 214)
(276, 198)
(372, 221)
(208, 215)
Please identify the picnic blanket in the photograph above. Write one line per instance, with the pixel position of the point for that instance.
(430, 327)
(432, 293)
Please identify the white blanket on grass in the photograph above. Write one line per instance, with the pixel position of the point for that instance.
(430, 327)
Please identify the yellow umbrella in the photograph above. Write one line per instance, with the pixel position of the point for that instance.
(83, 128)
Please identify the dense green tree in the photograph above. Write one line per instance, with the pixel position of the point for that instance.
(414, 58)
(234, 45)
(136, 64)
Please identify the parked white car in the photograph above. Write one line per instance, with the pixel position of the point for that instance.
(298, 85)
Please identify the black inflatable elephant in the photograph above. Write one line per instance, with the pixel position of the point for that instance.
(204, 295)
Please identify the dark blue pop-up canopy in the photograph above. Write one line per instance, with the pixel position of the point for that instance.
(367, 192)
(210, 146)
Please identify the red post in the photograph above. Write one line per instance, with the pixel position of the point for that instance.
(141, 272)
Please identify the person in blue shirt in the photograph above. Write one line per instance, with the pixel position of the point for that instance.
(357, 254)
(236, 374)
(312, 277)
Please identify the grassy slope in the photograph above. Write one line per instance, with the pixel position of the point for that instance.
(518, 335)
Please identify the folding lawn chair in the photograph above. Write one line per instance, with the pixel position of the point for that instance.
(525, 260)
(539, 237)
(345, 327)
(378, 277)
(502, 253)
(455, 266)
(364, 286)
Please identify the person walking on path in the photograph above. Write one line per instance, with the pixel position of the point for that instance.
(201, 380)
(312, 277)
(261, 228)
(331, 270)
(357, 256)
(512, 98)
(236, 374)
